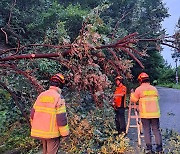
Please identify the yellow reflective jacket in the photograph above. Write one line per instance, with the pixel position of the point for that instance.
(147, 95)
(48, 115)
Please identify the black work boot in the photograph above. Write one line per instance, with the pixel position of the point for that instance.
(159, 149)
(148, 149)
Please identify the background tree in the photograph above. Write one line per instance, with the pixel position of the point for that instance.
(176, 54)
(145, 17)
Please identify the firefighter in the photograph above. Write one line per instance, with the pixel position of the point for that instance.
(119, 105)
(149, 111)
(48, 116)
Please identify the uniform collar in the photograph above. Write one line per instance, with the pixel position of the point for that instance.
(120, 85)
(55, 88)
(146, 83)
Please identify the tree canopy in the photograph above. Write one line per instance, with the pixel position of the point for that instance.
(90, 45)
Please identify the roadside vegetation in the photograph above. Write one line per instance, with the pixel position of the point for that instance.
(170, 85)
(168, 78)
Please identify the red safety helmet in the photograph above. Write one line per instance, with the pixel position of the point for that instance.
(143, 76)
(119, 78)
(58, 78)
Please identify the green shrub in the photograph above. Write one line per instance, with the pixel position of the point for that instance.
(171, 142)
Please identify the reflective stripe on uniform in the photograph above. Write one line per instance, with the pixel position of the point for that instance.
(46, 99)
(52, 122)
(45, 110)
(150, 115)
(44, 134)
(62, 109)
(50, 110)
(64, 130)
(149, 93)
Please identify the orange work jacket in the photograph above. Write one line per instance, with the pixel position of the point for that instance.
(48, 119)
(147, 96)
(119, 94)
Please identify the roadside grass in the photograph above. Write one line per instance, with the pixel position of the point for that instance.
(170, 85)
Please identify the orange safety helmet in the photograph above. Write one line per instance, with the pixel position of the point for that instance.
(142, 76)
(119, 78)
(58, 78)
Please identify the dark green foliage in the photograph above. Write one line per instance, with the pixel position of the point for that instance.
(154, 63)
(168, 76)
(9, 113)
(13, 128)
(31, 20)
(85, 4)
(17, 140)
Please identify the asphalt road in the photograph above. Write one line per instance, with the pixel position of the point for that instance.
(170, 108)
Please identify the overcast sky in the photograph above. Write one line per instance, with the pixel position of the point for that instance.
(169, 24)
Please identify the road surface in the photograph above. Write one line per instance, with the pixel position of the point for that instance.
(170, 108)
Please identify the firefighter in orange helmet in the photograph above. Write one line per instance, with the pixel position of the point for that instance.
(119, 105)
(48, 116)
(149, 111)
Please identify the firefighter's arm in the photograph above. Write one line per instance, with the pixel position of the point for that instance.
(61, 118)
(115, 95)
(134, 96)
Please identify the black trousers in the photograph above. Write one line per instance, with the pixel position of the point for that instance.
(153, 124)
(120, 120)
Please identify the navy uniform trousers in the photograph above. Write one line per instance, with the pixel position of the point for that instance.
(120, 120)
